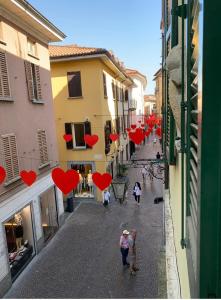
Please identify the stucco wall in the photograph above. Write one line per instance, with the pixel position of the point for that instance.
(175, 202)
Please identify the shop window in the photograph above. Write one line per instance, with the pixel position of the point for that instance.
(74, 84)
(49, 216)
(20, 241)
(85, 188)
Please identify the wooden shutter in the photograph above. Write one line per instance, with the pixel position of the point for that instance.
(29, 80)
(113, 90)
(10, 157)
(38, 82)
(126, 95)
(4, 81)
(43, 149)
(192, 136)
(107, 137)
(74, 84)
(87, 130)
(68, 130)
(105, 85)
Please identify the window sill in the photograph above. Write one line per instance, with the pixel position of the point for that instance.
(79, 97)
(6, 99)
(35, 101)
(3, 42)
(77, 149)
(7, 183)
(33, 56)
(44, 165)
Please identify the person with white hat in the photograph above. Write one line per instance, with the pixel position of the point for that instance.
(124, 247)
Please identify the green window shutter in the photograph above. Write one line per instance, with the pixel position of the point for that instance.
(192, 155)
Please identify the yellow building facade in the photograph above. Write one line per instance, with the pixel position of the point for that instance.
(89, 91)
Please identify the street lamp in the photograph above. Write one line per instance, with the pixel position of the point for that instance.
(119, 186)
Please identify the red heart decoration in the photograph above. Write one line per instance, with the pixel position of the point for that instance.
(28, 177)
(91, 140)
(147, 133)
(67, 137)
(137, 136)
(2, 174)
(142, 125)
(102, 181)
(128, 129)
(114, 136)
(133, 126)
(158, 132)
(65, 181)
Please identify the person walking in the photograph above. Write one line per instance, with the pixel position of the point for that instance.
(106, 198)
(137, 192)
(132, 251)
(158, 155)
(144, 172)
(124, 247)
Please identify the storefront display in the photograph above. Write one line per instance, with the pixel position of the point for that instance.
(85, 188)
(49, 216)
(20, 241)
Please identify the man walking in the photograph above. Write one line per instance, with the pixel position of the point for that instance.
(124, 247)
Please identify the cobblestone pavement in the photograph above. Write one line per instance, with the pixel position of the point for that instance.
(83, 259)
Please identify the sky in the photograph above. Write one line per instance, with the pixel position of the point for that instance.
(130, 28)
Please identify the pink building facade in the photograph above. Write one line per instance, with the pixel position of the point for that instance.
(29, 215)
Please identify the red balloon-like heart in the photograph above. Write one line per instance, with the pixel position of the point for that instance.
(128, 129)
(102, 181)
(137, 136)
(142, 125)
(65, 181)
(147, 133)
(2, 174)
(67, 137)
(90, 140)
(28, 177)
(114, 137)
(133, 126)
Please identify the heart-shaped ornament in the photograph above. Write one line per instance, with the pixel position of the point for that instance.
(137, 136)
(128, 129)
(114, 137)
(102, 181)
(67, 137)
(90, 140)
(28, 177)
(133, 126)
(142, 125)
(65, 181)
(147, 133)
(2, 174)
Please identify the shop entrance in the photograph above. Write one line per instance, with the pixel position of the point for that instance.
(85, 188)
(49, 216)
(20, 240)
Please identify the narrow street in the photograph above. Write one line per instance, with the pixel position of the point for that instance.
(83, 259)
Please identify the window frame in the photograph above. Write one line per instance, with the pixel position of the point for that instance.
(75, 147)
(105, 85)
(81, 93)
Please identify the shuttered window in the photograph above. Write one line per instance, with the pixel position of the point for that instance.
(43, 149)
(113, 90)
(4, 80)
(33, 80)
(126, 95)
(74, 84)
(10, 154)
(192, 133)
(78, 130)
(105, 85)
(107, 132)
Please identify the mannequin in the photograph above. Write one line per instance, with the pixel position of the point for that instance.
(18, 230)
(90, 182)
(79, 187)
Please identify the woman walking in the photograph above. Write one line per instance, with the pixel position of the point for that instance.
(137, 192)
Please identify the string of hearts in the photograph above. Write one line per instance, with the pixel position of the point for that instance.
(65, 181)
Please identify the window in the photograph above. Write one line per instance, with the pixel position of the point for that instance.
(78, 135)
(113, 90)
(43, 149)
(32, 48)
(77, 130)
(117, 120)
(33, 81)
(74, 84)
(105, 85)
(10, 157)
(107, 132)
(122, 94)
(4, 80)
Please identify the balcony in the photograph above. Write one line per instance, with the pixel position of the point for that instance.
(132, 104)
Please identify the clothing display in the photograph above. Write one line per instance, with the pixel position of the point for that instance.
(85, 188)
